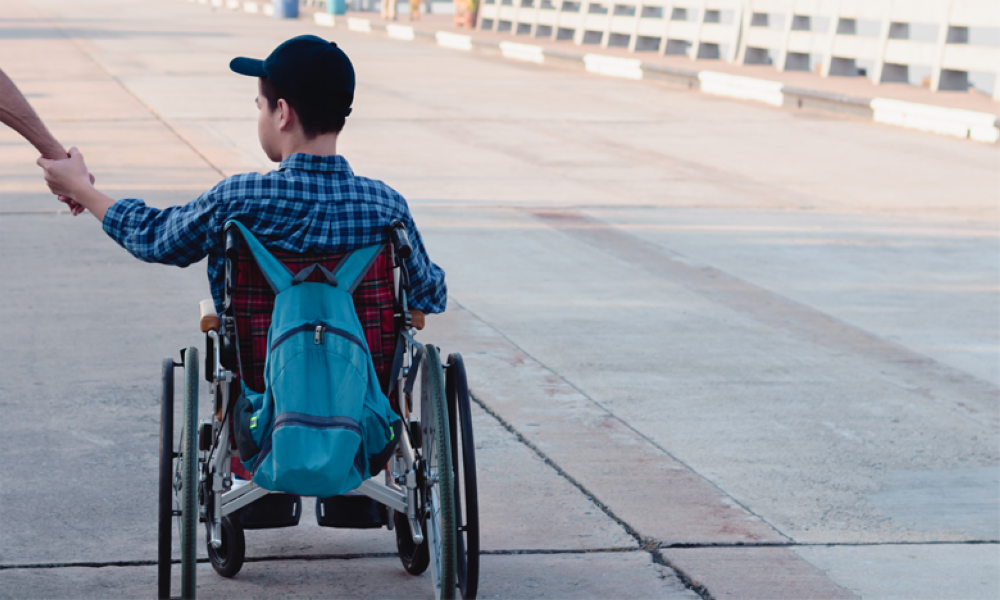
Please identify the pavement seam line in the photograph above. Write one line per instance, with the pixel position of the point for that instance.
(613, 416)
(648, 545)
(524, 552)
(140, 101)
(682, 546)
(309, 557)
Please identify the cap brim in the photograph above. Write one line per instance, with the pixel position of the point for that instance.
(250, 67)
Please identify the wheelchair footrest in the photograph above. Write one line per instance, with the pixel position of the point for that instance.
(351, 512)
(271, 511)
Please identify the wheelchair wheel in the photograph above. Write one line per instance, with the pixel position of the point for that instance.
(227, 559)
(165, 534)
(438, 475)
(189, 475)
(466, 489)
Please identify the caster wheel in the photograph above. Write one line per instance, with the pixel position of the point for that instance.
(227, 559)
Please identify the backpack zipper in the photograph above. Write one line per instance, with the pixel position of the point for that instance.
(319, 328)
(310, 421)
(314, 422)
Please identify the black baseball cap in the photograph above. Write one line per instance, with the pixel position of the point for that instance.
(309, 68)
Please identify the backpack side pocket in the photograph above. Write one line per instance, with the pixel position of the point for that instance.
(382, 429)
(244, 424)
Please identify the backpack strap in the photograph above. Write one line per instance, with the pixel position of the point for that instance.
(275, 272)
(355, 265)
(304, 274)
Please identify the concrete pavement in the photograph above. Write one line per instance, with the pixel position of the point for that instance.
(692, 325)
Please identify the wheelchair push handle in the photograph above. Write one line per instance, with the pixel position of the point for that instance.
(400, 241)
(209, 318)
(232, 243)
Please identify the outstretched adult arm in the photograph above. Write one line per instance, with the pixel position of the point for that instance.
(16, 113)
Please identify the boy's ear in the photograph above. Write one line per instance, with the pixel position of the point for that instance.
(286, 116)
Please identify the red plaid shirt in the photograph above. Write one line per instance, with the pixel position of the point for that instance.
(253, 302)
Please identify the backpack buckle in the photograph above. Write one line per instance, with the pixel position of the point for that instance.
(318, 339)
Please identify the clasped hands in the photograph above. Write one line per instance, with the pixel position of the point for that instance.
(67, 178)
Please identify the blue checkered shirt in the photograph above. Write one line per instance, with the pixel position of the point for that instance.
(310, 204)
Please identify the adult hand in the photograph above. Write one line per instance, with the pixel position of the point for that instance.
(68, 177)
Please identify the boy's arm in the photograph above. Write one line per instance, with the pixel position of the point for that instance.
(428, 291)
(179, 235)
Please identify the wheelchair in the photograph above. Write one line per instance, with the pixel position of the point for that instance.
(428, 493)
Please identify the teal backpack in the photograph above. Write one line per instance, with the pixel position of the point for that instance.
(322, 425)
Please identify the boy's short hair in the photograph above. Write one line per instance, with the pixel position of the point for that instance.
(315, 121)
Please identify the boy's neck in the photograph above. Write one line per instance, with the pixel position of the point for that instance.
(322, 145)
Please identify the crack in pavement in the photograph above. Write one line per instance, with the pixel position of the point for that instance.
(645, 544)
(611, 414)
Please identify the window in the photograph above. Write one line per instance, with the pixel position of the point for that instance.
(624, 10)
(652, 12)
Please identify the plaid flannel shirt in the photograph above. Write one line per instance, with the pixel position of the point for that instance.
(310, 204)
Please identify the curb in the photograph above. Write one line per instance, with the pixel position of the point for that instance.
(965, 124)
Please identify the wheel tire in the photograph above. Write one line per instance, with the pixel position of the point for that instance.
(165, 533)
(414, 558)
(227, 560)
(189, 476)
(466, 489)
(440, 497)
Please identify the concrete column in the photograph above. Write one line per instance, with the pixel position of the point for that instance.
(786, 33)
(534, 18)
(883, 40)
(942, 41)
(606, 36)
(834, 24)
(745, 27)
(555, 27)
(668, 11)
(479, 20)
(635, 27)
(578, 34)
(734, 46)
(696, 44)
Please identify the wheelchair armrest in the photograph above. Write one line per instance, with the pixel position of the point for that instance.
(400, 241)
(209, 319)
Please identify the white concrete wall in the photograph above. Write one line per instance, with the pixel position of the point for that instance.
(952, 42)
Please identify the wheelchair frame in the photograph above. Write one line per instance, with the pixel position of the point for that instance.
(428, 477)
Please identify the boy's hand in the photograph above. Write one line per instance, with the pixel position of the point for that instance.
(70, 181)
(67, 178)
(74, 206)
(417, 318)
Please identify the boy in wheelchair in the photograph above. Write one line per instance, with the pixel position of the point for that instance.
(308, 218)
(313, 203)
